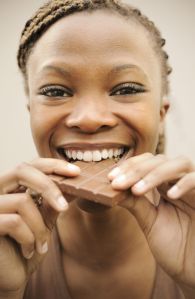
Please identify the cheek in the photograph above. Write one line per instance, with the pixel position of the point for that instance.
(43, 123)
(144, 120)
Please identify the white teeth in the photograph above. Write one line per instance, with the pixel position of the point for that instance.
(96, 155)
(74, 155)
(105, 154)
(68, 154)
(110, 153)
(116, 152)
(79, 155)
(88, 156)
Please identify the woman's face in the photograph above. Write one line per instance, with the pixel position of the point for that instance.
(95, 88)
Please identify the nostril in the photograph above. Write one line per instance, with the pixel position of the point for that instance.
(89, 129)
(91, 122)
(104, 128)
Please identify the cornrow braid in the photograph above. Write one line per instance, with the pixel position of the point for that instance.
(54, 10)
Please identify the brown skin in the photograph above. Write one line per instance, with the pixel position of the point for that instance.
(92, 113)
(93, 117)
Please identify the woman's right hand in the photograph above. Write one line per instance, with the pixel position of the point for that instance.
(25, 228)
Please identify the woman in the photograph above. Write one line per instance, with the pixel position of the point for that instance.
(96, 78)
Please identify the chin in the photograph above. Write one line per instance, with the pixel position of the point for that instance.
(90, 206)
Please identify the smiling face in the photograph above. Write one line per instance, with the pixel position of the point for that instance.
(95, 88)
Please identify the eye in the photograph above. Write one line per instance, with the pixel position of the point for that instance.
(55, 91)
(130, 88)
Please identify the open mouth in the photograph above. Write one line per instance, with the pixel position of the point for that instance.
(95, 155)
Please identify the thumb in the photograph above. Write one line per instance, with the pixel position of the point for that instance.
(143, 208)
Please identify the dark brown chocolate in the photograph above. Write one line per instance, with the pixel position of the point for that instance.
(92, 183)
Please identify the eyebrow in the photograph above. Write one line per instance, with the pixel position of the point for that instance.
(116, 69)
(57, 69)
(119, 68)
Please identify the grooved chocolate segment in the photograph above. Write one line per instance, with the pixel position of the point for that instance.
(92, 183)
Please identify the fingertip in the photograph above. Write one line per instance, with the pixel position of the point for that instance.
(140, 187)
(62, 203)
(113, 173)
(120, 182)
(27, 254)
(73, 168)
(173, 193)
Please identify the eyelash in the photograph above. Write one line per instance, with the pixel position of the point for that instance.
(55, 92)
(128, 89)
(125, 89)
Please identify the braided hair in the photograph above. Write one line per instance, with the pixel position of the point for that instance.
(54, 10)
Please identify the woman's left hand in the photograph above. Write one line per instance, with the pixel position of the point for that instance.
(169, 225)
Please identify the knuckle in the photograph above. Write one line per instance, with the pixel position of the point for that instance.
(24, 200)
(137, 171)
(36, 160)
(46, 185)
(30, 240)
(155, 175)
(42, 233)
(161, 157)
(148, 155)
(188, 179)
(14, 221)
(20, 168)
(49, 187)
(186, 162)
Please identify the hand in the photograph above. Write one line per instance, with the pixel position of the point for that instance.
(170, 226)
(25, 228)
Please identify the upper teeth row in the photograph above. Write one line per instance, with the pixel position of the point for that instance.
(96, 155)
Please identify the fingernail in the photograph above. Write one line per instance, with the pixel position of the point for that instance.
(153, 197)
(140, 186)
(114, 172)
(157, 196)
(62, 203)
(41, 247)
(28, 255)
(150, 198)
(73, 167)
(173, 192)
(119, 180)
(44, 248)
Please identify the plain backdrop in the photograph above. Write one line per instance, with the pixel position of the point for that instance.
(176, 20)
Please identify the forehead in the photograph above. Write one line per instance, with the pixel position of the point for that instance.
(98, 37)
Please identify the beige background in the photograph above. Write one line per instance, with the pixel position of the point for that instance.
(175, 18)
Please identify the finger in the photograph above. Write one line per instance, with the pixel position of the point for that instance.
(128, 164)
(184, 185)
(23, 205)
(135, 172)
(167, 171)
(46, 165)
(30, 177)
(56, 166)
(13, 226)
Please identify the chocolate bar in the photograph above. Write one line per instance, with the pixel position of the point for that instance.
(92, 184)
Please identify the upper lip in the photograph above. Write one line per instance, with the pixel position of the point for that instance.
(92, 146)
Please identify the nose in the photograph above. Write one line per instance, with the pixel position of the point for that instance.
(91, 116)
